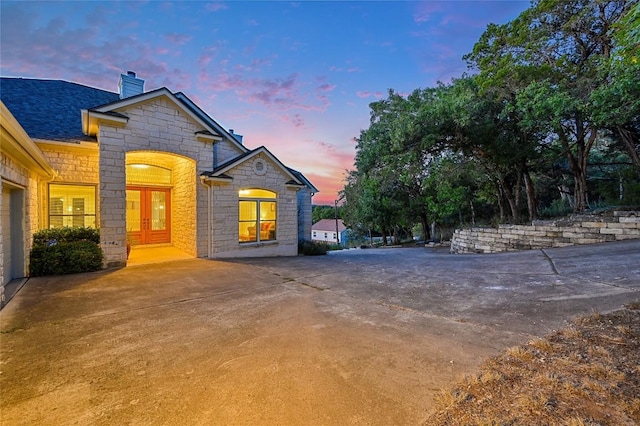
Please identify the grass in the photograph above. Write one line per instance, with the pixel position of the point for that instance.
(585, 375)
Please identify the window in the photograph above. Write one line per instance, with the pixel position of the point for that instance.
(257, 215)
(72, 205)
(146, 173)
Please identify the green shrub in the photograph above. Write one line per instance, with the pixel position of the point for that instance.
(558, 208)
(65, 235)
(65, 251)
(311, 248)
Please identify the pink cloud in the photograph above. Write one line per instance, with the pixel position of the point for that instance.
(296, 120)
(326, 87)
(284, 93)
(368, 94)
(255, 65)
(208, 54)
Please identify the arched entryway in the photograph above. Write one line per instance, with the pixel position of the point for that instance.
(161, 205)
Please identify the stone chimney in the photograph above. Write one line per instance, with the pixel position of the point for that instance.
(129, 85)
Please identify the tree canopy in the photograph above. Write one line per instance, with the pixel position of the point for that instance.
(549, 115)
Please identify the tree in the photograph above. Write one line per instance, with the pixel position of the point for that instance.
(550, 57)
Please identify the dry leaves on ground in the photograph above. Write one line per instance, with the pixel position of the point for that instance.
(587, 374)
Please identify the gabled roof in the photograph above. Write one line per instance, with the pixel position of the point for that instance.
(213, 123)
(91, 117)
(50, 109)
(220, 171)
(328, 225)
(304, 180)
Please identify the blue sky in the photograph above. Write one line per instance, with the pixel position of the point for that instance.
(296, 77)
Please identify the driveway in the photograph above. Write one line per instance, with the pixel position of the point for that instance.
(356, 337)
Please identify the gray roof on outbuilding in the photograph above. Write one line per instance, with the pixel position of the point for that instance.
(50, 109)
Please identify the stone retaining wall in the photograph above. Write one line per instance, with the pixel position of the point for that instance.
(578, 229)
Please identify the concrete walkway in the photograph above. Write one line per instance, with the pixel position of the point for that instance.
(355, 337)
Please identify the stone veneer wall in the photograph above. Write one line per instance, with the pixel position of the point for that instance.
(157, 125)
(13, 176)
(305, 214)
(578, 229)
(225, 213)
(74, 164)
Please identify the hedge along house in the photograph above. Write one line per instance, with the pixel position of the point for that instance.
(151, 168)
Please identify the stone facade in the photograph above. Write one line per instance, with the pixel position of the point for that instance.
(155, 130)
(225, 212)
(155, 126)
(74, 164)
(579, 229)
(305, 213)
(19, 195)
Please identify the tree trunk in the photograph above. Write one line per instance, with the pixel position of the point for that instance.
(584, 142)
(473, 212)
(630, 144)
(425, 226)
(508, 194)
(531, 195)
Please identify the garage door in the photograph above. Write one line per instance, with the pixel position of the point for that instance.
(12, 212)
(6, 235)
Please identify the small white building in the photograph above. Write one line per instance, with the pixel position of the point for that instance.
(325, 231)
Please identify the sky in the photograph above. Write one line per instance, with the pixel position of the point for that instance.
(296, 77)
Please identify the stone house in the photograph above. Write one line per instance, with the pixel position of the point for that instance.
(148, 168)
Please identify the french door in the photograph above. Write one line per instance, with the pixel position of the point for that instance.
(148, 215)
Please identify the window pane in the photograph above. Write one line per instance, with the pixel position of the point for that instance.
(247, 232)
(72, 205)
(256, 193)
(158, 210)
(248, 210)
(78, 211)
(145, 173)
(267, 230)
(133, 210)
(267, 210)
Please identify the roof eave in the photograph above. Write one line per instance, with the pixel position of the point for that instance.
(17, 143)
(92, 119)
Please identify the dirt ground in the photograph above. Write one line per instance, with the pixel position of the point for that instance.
(362, 338)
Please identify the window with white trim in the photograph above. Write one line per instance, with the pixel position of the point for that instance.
(257, 216)
(72, 205)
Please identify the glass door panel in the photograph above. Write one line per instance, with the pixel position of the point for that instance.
(148, 215)
(158, 211)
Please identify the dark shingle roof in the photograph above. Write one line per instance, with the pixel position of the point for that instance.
(50, 109)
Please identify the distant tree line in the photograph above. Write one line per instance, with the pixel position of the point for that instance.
(548, 122)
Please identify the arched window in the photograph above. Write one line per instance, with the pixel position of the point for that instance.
(257, 215)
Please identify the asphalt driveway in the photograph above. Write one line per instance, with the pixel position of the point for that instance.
(355, 337)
